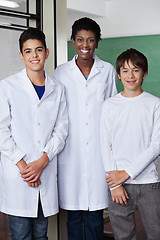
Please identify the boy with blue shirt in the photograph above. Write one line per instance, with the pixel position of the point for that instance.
(33, 129)
(130, 145)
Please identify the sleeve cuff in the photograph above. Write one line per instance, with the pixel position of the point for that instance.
(17, 156)
(115, 187)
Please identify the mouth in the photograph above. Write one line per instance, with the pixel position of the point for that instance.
(35, 61)
(84, 51)
(131, 82)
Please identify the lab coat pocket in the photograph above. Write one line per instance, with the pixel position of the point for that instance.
(101, 91)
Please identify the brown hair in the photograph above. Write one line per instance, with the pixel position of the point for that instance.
(32, 33)
(137, 58)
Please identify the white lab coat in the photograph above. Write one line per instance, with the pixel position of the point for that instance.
(82, 184)
(29, 127)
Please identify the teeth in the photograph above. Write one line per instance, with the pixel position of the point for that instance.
(84, 51)
(34, 61)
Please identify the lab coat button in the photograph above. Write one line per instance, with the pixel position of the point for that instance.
(38, 124)
(39, 141)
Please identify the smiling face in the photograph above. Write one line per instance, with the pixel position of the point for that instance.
(34, 55)
(85, 44)
(131, 77)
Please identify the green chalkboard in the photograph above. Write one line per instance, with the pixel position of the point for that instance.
(110, 48)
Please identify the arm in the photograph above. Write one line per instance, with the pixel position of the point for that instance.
(115, 177)
(105, 138)
(60, 131)
(113, 83)
(151, 152)
(7, 144)
(56, 143)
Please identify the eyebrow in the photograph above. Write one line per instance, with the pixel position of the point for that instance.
(83, 37)
(129, 67)
(26, 49)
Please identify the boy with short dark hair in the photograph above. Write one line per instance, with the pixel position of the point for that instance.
(88, 82)
(33, 128)
(130, 144)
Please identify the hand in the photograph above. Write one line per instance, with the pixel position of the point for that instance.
(34, 184)
(22, 165)
(33, 170)
(115, 178)
(120, 196)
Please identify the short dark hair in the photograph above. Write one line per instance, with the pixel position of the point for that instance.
(137, 58)
(32, 33)
(87, 24)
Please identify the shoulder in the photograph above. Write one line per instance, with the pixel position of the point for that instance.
(104, 64)
(65, 66)
(113, 99)
(111, 102)
(12, 80)
(57, 85)
(151, 98)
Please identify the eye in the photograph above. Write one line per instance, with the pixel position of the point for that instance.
(39, 50)
(136, 70)
(90, 40)
(28, 51)
(79, 39)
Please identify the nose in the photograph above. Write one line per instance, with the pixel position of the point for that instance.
(131, 74)
(85, 43)
(34, 53)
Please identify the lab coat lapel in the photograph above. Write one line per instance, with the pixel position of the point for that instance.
(49, 87)
(77, 74)
(29, 88)
(96, 68)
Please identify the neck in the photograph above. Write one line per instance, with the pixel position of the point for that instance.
(131, 93)
(37, 78)
(85, 65)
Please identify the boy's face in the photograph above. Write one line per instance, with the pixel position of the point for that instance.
(131, 77)
(85, 44)
(34, 55)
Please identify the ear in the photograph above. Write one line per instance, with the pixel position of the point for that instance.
(47, 53)
(96, 45)
(21, 56)
(145, 74)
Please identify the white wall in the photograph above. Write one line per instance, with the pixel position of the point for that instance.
(131, 18)
(123, 17)
(95, 7)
